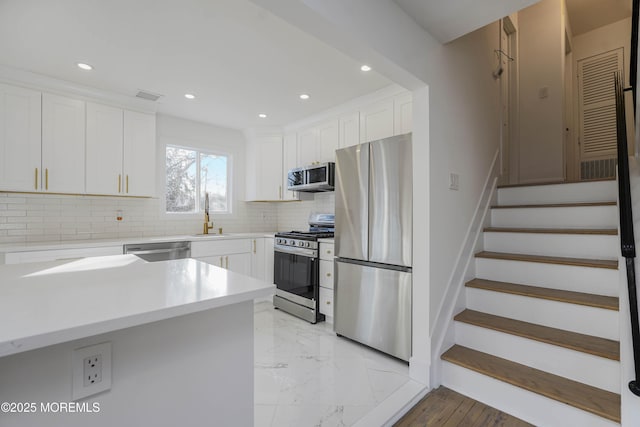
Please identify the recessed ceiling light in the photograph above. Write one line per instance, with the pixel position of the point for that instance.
(304, 96)
(262, 116)
(84, 66)
(365, 68)
(189, 96)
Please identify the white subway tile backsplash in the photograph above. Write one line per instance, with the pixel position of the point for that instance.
(54, 217)
(295, 215)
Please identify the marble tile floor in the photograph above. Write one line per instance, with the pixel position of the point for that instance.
(306, 376)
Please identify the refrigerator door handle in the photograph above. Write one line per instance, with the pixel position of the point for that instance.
(374, 264)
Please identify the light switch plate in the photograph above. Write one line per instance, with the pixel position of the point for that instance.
(454, 181)
(94, 361)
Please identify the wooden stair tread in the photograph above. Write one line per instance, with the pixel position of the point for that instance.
(580, 298)
(591, 399)
(580, 262)
(598, 231)
(596, 346)
(553, 183)
(555, 205)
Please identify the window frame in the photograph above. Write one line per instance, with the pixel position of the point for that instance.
(199, 212)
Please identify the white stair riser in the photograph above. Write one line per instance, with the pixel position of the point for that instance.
(599, 281)
(562, 245)
(575, 365)
(520, 403)
(563, 217)
(554, 314)
(604, 191)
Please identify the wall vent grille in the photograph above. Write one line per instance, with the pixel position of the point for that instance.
(598, 169)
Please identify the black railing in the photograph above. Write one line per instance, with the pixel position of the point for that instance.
(633, 68)
(627, 240)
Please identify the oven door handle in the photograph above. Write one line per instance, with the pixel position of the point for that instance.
(310, 253)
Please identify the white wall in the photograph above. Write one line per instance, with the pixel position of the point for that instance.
(191, 370)
(541, 65)
(465, 123)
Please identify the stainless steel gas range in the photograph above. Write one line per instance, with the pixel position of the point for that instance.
(296, 268)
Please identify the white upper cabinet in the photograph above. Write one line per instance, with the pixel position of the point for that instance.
(349, 130)
(290, 161)
(63, 144)
(376, 121)
(139, 163)
(104, 149)
(20, 138)
(402, 106)
(264, 168)
(318, 144)
(120, 151)
(328, 141)
(307, 147)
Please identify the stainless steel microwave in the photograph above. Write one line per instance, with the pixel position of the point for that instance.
(313, 178)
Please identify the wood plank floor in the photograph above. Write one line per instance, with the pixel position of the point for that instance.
(444, 407)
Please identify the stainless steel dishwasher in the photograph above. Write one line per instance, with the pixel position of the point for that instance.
(161, 251)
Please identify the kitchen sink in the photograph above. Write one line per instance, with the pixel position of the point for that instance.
(209, 235)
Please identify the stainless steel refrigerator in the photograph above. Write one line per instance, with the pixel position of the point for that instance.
(373, 239)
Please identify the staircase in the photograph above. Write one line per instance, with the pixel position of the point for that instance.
(539, 336)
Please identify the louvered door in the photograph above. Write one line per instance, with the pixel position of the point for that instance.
(598, 113)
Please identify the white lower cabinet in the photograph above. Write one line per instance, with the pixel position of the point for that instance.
(268, 259)
(238, 263)
(257, 258)
(232, 254)
(326, 303)
(326, 280)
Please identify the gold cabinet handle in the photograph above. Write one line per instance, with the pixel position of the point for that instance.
(127, 184)
(36, 178)
(119, 182)
(226, 264)
(329, 251)
(328, 302)
(220, 261)
(254, 246)
(280, 192)
(328, 274)
(46, 179)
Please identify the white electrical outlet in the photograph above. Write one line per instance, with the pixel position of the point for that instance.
(91, 370)
(454, 181)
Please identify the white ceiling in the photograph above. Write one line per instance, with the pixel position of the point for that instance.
(587, 15)
(447, 20)
(237, 58)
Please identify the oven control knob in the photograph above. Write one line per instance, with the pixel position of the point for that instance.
(308, 244)
(301, 243)
(292, 242)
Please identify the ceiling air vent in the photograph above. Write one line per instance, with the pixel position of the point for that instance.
(149, 96)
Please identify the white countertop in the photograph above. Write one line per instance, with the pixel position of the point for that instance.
(48, 303)
(75, 244)
(326, 240)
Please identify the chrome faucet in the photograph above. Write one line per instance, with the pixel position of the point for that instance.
(208, 225)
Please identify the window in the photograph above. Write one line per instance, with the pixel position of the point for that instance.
(190, 175)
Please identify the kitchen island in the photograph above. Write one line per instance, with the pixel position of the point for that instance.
(181, 336)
